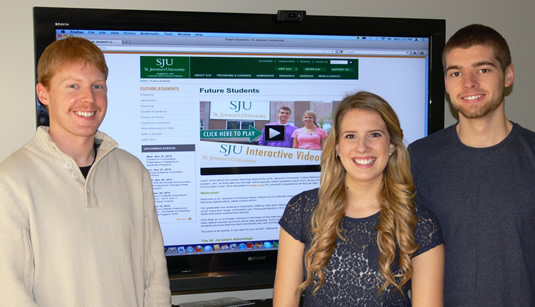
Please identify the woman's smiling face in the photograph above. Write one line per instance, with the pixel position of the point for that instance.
(364, 146)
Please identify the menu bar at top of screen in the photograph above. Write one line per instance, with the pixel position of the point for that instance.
(78, 32)
(138, 41)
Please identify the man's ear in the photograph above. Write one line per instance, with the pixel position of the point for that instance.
(42, 93)
(509, 75)
(446, 84)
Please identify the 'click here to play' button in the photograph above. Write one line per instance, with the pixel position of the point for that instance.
(274, 133)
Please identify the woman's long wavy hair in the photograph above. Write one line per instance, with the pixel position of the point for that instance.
(397, 220)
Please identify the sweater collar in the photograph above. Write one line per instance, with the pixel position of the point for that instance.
(43, 143)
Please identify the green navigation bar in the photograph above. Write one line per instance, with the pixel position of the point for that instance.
(248, 68)
(164, 67)
(273, 68)
(251, 133)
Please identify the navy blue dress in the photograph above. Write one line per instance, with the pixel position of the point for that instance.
(352, 274)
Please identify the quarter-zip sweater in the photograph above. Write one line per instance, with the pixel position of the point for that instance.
(67, 240)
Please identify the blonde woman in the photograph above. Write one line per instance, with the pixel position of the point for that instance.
(311, 136)
(358, 240)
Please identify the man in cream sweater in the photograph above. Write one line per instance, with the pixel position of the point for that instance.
(78, 226)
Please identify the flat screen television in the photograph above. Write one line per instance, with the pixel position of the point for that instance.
(191, 92)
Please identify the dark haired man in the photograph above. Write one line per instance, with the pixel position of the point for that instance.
(284, 115)
(78, 226)
(477, 176)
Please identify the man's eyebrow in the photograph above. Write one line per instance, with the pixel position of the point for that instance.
(477, 64)
(484, 63)
(452, 67)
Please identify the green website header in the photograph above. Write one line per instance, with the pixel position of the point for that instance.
(248, 68)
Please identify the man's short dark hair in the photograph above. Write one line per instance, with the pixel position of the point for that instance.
(286, 109)
(477, 34)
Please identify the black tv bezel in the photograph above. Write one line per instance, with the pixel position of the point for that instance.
(242, 270)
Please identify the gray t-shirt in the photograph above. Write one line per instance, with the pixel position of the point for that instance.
(484, 199)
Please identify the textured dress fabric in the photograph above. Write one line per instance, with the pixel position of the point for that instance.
(352, 274)
(484, 199)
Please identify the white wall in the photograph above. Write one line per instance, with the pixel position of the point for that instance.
(513, 18)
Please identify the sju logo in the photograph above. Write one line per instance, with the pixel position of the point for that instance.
(164, 62)
(227, 149)
(237, 106)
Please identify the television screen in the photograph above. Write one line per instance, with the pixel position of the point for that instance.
(196, 97)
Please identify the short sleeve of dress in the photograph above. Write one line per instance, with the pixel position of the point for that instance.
(323, 134)
(427, 233)
(297, 215)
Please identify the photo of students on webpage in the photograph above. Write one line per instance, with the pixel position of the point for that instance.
(311, 136)
(279, 133)
(266, 123)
